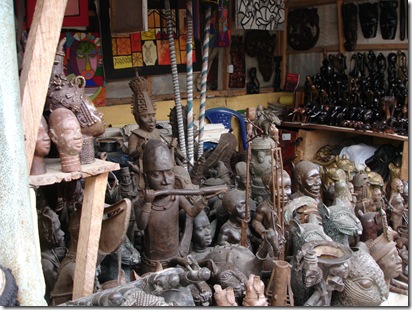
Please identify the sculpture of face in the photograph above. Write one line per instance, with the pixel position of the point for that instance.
(388, 19)
(391, 263)
(287, 185)
(201, 236)
(147, 121)
(397, 186)
(308, 178)
(65, 131)
(368, 16)
(235, 204)
(261, 157)
(364, 285)
(43, 139)
(158, 165)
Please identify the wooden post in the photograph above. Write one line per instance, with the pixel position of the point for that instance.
(37, 67)
(89, 235)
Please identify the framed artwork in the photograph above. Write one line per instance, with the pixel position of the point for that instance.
(146, 51)
(84, 57)
(76, 14)
(220, 26)
(260, 14)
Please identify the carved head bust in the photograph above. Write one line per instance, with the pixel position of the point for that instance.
(306, 179)
(42, 149)
(65, 132)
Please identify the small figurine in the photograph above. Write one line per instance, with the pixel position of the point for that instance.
(230, 232)
(65, 132)
(253, 86)
(42, 149)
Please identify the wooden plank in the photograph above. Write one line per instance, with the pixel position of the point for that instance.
(37, 66)
(405, 162)
(89, 235)
(55, 175)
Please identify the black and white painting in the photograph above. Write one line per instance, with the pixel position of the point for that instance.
(260, 14)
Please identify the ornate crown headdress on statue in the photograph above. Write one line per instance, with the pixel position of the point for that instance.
(141, 103)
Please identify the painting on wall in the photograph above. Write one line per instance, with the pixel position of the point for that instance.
(148, 52)
(219, 26)
(260, 14)
(75, 15)
(84, 57)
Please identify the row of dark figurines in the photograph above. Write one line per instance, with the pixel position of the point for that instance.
(368, 93)
(204, 248)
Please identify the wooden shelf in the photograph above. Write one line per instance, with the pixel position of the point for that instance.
(315, 136)
(95, 175)
(308, 126)
(55, 175)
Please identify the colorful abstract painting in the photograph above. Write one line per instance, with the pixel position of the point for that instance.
(151, 48)
(84, 57)
(260, 14)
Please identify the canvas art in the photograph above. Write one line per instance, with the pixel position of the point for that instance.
(151, 48)
(260, 14)
(84, 57)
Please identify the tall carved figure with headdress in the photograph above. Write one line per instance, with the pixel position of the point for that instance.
(144, 111)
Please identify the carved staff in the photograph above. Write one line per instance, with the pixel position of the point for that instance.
(250, 114)
(209, 190)
(178, 103)
(189, 79)
(205, 62)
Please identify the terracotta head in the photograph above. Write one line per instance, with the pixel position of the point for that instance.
(65, 131)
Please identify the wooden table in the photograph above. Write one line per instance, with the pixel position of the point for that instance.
(95, 175)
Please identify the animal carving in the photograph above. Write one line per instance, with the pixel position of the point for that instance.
(340, 222)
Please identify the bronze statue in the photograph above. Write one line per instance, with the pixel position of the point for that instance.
(144, 112)
(340, 222)
(230, 232)
(397, 203)
(265, 221)
(306, 181)
(331, 258)
(365, 284)
(52, 246)
(65, 132)
(42, 149)
(383, 250)
(158, 215)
